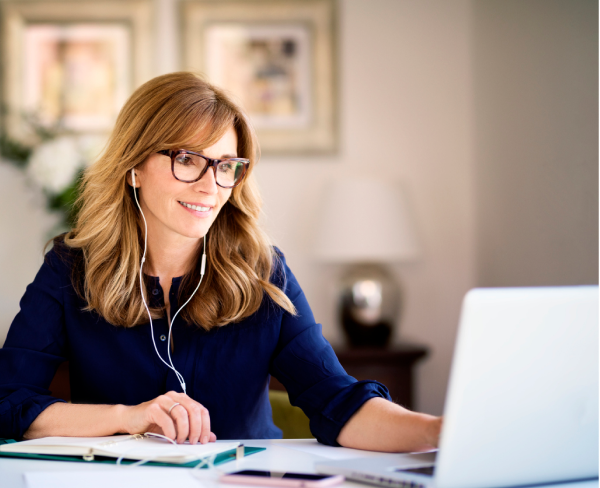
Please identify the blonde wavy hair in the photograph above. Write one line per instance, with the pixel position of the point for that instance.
(169, 112)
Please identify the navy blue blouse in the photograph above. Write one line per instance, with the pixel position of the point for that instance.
(225, 369)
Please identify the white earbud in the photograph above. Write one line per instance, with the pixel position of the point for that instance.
(202, 269)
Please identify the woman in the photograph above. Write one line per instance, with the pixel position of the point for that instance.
(174, 183)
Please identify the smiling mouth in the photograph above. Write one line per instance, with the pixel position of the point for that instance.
(198, 208)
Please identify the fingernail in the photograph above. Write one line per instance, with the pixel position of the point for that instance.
(204, 439)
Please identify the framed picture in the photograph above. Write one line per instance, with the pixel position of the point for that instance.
(276, 59)
(76, 75)
(72, 64)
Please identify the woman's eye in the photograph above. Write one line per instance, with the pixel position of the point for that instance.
(185, 160)
(226, 167)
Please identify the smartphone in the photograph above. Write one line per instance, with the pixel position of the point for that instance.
(280, 478)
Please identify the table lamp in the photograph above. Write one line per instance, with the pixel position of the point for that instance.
(365, 224)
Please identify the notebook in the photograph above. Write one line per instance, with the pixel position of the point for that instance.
(137, 447)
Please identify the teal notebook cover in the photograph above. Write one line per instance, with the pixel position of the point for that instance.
(221, 458)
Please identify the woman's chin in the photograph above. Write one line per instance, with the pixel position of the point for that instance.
(196, 232)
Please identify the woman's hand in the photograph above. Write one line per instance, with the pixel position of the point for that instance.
(187, 420)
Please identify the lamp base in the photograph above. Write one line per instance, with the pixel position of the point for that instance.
(360, 335)
(368, 305)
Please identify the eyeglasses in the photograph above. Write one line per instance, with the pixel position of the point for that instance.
(188, 166)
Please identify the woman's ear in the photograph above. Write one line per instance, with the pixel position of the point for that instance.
(131, 179)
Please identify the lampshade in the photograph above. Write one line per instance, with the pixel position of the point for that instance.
(365, 220)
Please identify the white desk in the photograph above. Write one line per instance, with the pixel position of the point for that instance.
(281, 455)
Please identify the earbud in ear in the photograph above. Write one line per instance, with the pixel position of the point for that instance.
(133, 177)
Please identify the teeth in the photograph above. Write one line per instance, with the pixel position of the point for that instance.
(195, 207)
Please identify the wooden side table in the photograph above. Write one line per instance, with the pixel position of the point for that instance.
(391, 366)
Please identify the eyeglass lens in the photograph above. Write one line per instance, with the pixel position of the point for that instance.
(188, 167)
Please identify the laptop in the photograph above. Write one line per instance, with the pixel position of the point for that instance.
(522, 402)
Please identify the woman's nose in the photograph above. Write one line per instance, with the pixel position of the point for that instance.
(208, 183)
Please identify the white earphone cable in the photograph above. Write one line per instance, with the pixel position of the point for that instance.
(202, 269)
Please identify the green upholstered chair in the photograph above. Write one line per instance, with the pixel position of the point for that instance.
(291, 420)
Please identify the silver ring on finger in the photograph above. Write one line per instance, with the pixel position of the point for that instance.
(172, 407)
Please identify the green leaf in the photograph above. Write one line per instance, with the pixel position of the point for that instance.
(14, 151)
(65, 202)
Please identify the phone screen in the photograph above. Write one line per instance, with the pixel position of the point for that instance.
(282, 474)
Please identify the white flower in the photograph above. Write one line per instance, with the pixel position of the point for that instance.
(54, 164)
(90, 147)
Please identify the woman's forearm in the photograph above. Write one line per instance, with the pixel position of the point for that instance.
(190, 420)
(75, 420)
(380, 425)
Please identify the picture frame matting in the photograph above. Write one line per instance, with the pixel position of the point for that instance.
(299, 116)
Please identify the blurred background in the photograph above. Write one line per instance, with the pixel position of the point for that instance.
(476, 119)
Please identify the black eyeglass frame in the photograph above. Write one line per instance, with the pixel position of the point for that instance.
(210, 163)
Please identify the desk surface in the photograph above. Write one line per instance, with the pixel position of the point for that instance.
(281, 455)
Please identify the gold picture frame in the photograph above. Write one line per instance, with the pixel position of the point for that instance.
(72, 63)
(276, 58)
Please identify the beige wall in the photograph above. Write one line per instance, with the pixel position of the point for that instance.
(24, 227)
(536, 113)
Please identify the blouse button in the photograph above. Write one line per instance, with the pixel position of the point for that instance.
(155, 291)
(163, 338)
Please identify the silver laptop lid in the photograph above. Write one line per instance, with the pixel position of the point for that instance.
(522, 404)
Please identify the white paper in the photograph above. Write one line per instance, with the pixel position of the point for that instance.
(154, 448)
(123, 445)
(123, 477)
